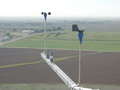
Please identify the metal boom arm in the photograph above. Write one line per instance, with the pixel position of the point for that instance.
(72, 85)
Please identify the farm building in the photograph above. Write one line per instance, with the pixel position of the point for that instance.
(28, 31)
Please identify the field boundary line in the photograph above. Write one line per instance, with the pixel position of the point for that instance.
(61, 49)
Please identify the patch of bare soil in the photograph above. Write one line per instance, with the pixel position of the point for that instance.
(101, 68)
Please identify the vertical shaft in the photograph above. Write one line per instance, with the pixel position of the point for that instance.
(45, 36)
(79, 75)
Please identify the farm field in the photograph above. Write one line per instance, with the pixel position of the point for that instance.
(92, 40)
(18, 66)
(23, 68)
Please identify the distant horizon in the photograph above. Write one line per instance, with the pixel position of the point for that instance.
(56, 18)
(73, 16)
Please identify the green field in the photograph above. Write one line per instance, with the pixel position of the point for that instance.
(92, 40)
(52, 87)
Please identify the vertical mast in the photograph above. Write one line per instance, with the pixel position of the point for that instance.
(45, 26)
(44, 35)
(79, 75)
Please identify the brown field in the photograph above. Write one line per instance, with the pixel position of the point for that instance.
(99, 68)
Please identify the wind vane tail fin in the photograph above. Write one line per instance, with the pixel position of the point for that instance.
(75, 27)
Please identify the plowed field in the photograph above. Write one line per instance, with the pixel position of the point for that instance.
(97, 68)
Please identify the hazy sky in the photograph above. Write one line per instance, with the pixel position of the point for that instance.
(69, 8)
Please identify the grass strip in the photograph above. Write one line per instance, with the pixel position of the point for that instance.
(42, 86)
(69, 57)
(21, 64)
(41, 61)
(64, 58)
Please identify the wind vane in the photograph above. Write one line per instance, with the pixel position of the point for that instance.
(80, 36)
(80, 32)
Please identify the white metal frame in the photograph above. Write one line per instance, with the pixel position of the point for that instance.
(71, 84)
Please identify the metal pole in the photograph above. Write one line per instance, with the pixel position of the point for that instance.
(79, 75)
(45, 17)
(45, 36)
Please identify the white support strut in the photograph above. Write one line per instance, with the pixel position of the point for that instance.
(72, 85)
